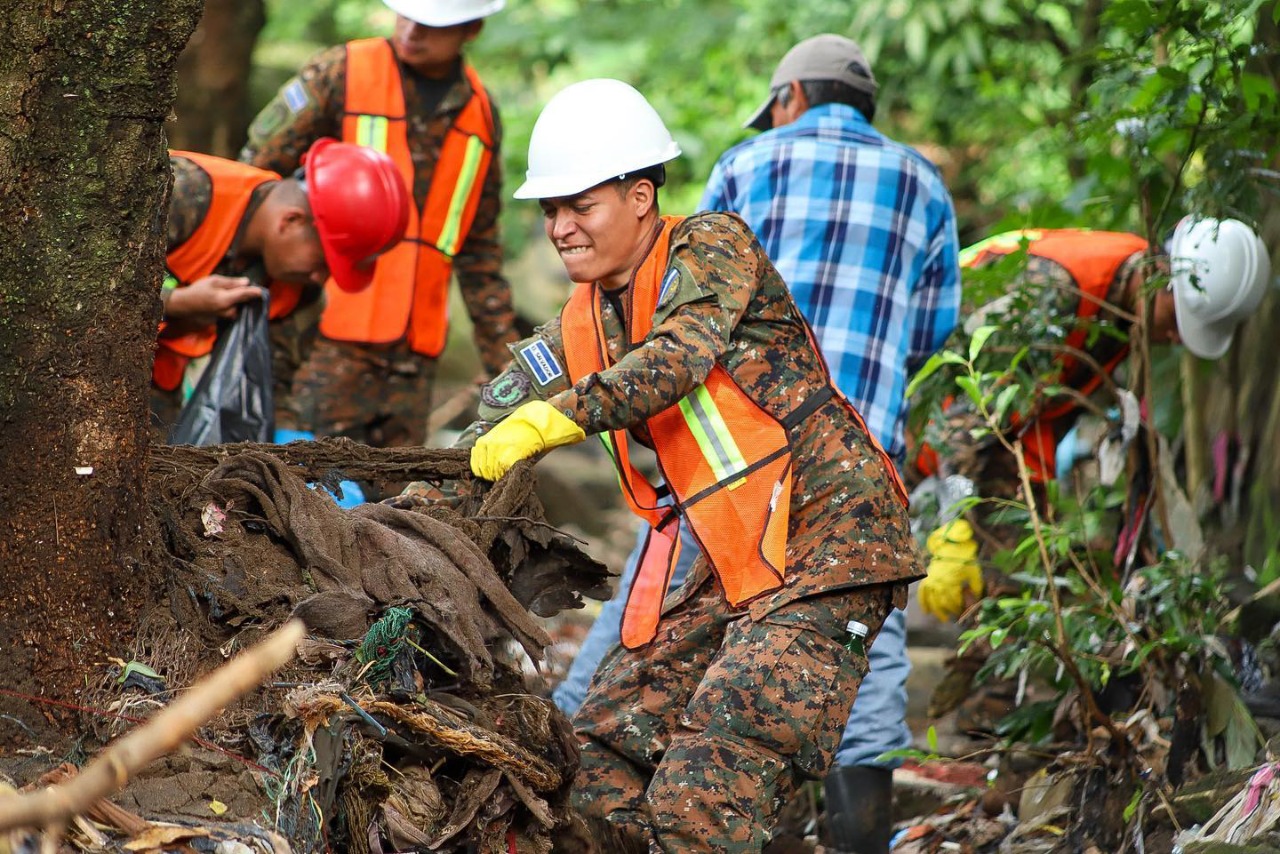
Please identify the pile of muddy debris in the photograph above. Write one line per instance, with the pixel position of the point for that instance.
(408, 720)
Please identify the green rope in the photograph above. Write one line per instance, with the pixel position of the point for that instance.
(383, 642)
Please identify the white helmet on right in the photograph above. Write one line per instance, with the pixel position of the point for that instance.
(591, 132)
(444, 13)
(1220, 272)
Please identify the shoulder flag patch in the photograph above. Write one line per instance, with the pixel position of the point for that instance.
(542, 362)
(295, 95)
(668, 284)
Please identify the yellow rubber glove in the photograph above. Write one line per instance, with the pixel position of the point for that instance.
(534, 427)
(953, 565)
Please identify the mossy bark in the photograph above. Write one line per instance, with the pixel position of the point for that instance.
(85, 88)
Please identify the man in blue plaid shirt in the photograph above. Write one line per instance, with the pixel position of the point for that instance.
(863, 231)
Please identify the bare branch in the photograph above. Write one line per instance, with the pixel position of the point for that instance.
(51, 808)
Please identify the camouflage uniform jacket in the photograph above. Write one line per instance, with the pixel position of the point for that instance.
(189, 204)
(729, 305)
(312, 105)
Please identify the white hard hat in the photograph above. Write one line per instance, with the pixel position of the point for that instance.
(592, 132)
(1220, 272)
(444, 13)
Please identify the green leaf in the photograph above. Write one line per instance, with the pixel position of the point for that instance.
(929, 368)
(1057, 16)
(931, 738)
(1006, 398)
(970, 387)
(1242, 737)
(138, 667)
(978, 339)
(1132, 808)
(1256, 90)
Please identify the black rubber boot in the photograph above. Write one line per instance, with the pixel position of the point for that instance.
(859, 802)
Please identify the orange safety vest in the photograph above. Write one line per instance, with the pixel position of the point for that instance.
(1092, 258)
(200, 254)
(726, 461)
(410, 290)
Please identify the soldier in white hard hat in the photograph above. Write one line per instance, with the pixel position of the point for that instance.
(415, 97)
(862, 230)
(681, 335)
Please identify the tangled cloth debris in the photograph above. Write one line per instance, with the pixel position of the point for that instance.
(362, 561)
(409, 721)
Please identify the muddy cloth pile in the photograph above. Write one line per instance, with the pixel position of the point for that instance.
(412, 719)
(354, 565)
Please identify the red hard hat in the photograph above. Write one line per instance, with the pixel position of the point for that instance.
(360, 206)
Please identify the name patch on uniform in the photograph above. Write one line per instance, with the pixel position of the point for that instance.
(295, 95)
(668, 285)
(542, 362)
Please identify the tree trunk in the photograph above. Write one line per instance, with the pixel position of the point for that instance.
(85, 90)
(212, 108)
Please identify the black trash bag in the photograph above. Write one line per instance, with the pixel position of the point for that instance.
(233, 402)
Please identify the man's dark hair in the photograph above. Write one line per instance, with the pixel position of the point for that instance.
(832, 92)
(655, 174)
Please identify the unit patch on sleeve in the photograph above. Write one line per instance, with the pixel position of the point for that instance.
(295, 95)
(668, 284)
(541, 361)
(506, 390)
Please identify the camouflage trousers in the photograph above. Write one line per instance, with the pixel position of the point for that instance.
(376, 394)
(696, 742)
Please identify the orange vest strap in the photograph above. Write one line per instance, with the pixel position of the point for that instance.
(410, 290)
(285, 297)
(653, 576)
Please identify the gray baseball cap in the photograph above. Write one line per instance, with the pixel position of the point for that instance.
(824, 57)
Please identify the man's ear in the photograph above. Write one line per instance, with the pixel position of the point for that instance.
(643, 195)
(473, 30)
(799, 100)
(291, 216)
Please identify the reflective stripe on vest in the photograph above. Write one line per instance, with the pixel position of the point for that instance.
(715, 440)
(1004, 243)
(200, 254)
(371, 132)
(1092, 259)
(409, 296)
(451, 234)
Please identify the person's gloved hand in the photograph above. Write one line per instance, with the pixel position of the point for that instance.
(534, 427)
(953, 565)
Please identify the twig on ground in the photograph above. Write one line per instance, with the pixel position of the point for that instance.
(51, 808)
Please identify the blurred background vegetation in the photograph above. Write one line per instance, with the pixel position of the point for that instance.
(1111, 114)
(1021, 103)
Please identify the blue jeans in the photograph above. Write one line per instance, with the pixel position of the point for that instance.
(877, 723)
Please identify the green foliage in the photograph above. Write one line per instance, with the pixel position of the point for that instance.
(1018, 99)
(914, 753)
(1178, 114)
